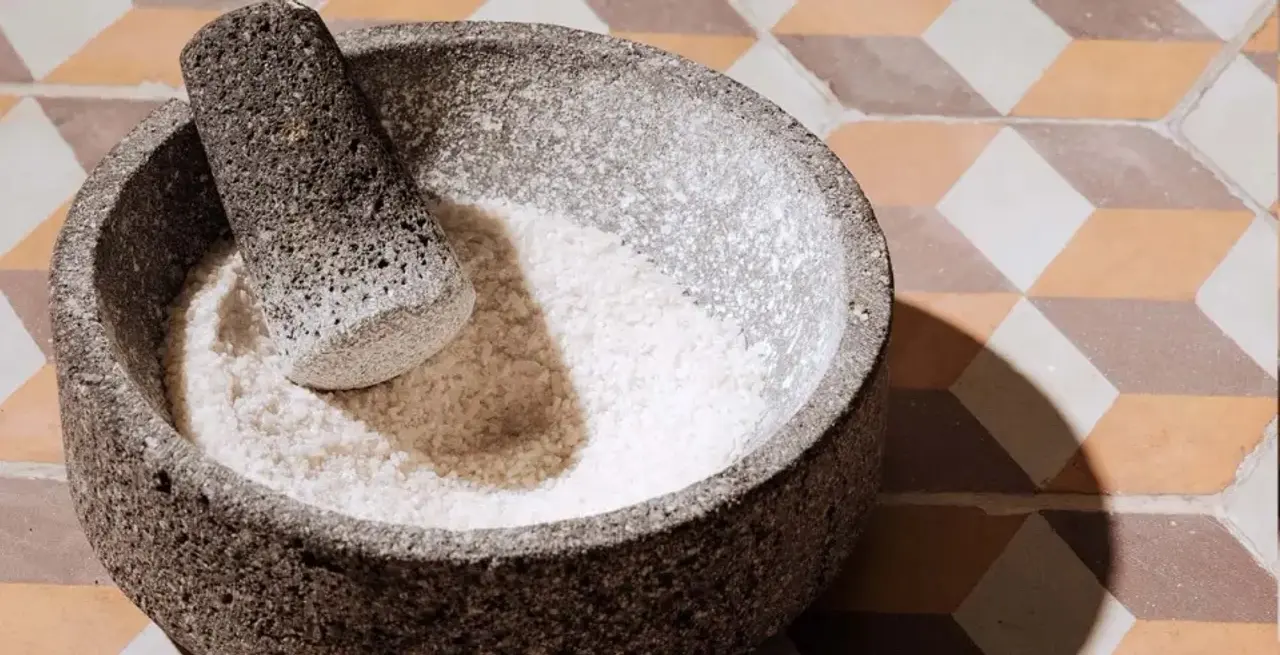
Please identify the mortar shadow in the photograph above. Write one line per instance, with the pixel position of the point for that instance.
(496, 407)
(955, 561)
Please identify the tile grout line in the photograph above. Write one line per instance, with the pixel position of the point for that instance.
(1010, 503)
(1248, 467)
(148, 91)
(32, 471)
(854, 115)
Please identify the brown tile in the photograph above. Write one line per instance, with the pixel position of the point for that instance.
(888, 75)
(1167, 445)
(1157, 347)
(929, 254)
(1117, 79)
(29, 427)
(1133, 20)
(1264, 61)
(909, 162)
(936, 335)
(1142, 253)
(12, 68)
(92, 126)
(680, 16)
(935, 445)
(1172, 566)
(1199, 638)
(36, 248)
(37, 619)
(874, 633)
(861, 17)
(142, 46)
(28, 293)
(715, 51)
(400, 10)
(919, 560)
(42, 540)
(1126, 166)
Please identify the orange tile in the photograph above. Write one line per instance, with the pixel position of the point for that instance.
(36, 249)
(1267, 38)
(142, 46)
(1142, 253)
(1117, 79)
(714, 51)
(401, 10)
(861, 17)
(38, 619)
(6, 103)
(1198, 638)
(936, 335)
(29, 427)
(1147, 444)
(919, 560)
(909, 162)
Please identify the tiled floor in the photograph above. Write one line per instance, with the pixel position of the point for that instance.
(1083, 446)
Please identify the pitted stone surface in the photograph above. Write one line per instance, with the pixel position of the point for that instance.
(227, 567)
(357, 280)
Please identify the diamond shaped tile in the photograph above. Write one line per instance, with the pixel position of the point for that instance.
(679, 16)
(930, 254)
(20, 354)
(1000, 46)
(1234, 124)
(1240, 294)
(569, 13)
(768, 72)
(1039, 598)
(36, 618)
(860, 17)
(1132, 20)
(46, 33)
(1172, 566)
(937, 335)
(878, 633)
(1015, 208)
(715, 51)
(38, 171)
(29, 426)
(141, 47)
(1142, 253)
(1197, 638)
(1252, 505)
(92, 126)
(887, 75)
(35, 249)
(1148, 444)
(399, 10)
(1155, 346)
(1035, 392)
(909, 162)
(1128, 167)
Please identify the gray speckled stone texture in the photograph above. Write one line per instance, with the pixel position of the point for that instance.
(775, 233)
(357, 281)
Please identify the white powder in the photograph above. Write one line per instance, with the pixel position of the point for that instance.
(586, 381)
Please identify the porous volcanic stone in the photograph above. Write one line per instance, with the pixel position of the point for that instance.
(357, 282)
(763, 224)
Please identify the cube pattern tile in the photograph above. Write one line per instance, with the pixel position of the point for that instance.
(1079, 200)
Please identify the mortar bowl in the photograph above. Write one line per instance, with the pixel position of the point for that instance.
(720, 188)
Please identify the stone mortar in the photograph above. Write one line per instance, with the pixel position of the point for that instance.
(724, 191)
(357, 281)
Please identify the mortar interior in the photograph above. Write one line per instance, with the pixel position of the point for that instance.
(612, 137)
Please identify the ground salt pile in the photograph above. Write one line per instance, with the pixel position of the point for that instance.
(585, 382)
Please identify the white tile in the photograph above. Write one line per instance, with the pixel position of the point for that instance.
(1251, 504)
(763, 14)
(1240, 295)
(1000, 46)
(47, 32)
(1034, 391)
(1225, 17)
(1038, 597)
(1235, 125)
(773, 75)
(569, 13)
(778, 645)
(20, 357)
(38, 171)
(1015, 208)
(151, 641)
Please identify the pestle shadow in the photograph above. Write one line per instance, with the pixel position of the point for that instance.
(966, 554)
(496, 407)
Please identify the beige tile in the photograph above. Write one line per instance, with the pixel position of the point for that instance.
(35, 250)
(936, 335)
(66, 620)
(717, 52)
(401, 10)
(860, 17)
(908, 162)
(142, 46)
(30, 430)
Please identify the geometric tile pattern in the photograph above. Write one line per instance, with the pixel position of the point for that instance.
(1079, 200)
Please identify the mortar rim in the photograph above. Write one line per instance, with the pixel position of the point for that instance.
(78, 317)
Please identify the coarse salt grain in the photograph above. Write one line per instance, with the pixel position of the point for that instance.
(586, 381)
